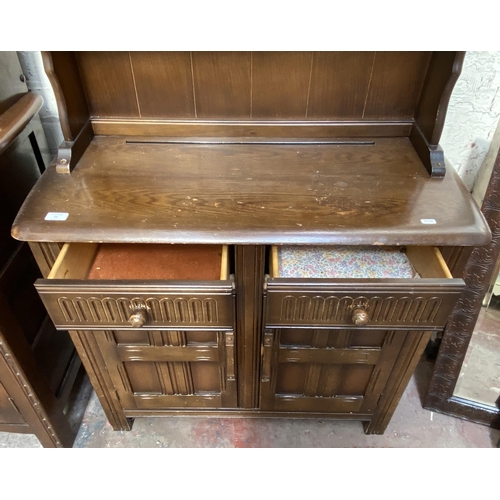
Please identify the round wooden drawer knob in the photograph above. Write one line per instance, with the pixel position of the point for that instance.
(360, 317)
(138, 318)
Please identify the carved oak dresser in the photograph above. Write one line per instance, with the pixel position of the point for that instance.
(187, 188)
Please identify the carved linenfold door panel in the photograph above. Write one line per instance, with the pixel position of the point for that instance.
(341, 371)
(170, 369)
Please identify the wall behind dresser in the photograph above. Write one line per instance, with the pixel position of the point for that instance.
(473, 114)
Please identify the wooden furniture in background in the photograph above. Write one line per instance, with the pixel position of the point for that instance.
(249, 150)
(38, 365)
(477, 274)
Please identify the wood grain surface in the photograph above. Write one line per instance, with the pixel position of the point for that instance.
(396, 83)
(326, 86)
(255, 85)
(163, 83)
(251, 194)
(280, 84)
(109, 83)
(222, 83)
(274, 129)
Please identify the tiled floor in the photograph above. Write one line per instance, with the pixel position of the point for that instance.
(411, 427)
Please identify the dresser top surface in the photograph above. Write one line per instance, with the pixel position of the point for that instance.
(136, 189)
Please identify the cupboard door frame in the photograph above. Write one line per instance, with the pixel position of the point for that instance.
(319, 355)
(387, 382)
(173, 365)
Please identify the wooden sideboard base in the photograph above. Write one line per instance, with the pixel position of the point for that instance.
(245, 413)
(321, 153)
(365, 419)
(166, 369)
(241, 412)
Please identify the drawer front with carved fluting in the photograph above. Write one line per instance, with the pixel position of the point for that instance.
(418, 304)
(109, 305)
(133, 286)
(389, 288)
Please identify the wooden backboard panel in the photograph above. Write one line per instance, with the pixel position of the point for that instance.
(359, 86)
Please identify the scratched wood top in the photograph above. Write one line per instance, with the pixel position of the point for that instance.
(126, 191)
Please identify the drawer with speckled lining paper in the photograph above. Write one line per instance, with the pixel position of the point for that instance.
(339, 287)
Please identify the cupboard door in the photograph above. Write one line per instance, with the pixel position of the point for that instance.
(155, 370)
(320, 370)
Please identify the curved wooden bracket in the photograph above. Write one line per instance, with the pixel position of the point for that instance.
(16, 118)
(64, 76)
(432, 156)
(61, 102)
(456, 71)
(69, 153)
(442, 75)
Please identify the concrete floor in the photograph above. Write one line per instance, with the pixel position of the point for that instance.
(410, 427)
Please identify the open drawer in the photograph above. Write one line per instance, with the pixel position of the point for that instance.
(133, 286)
(421, 303)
